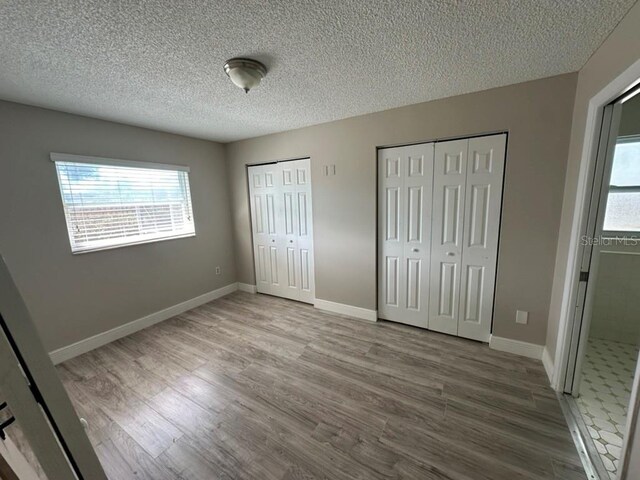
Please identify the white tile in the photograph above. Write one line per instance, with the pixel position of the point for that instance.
(608, 464)
(611, 438)
(615, 412)
(594, 433)
(614, 450)
(607, 377)
(604, 425)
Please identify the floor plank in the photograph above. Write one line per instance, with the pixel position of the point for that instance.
(257, 387)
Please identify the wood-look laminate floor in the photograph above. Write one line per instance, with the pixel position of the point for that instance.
(256, 387)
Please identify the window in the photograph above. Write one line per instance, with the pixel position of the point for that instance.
(112, 203)
(622, 215)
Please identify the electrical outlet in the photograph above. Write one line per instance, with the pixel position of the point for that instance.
(522, 317)
(218, 270)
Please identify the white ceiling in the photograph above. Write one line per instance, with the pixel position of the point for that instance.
(159, 63)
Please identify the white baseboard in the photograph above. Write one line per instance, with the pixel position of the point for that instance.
(549, 367)
(342, 309)
(88, 344)
(508, 345)
(247, 287)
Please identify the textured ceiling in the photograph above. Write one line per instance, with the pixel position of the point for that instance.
(159, 63)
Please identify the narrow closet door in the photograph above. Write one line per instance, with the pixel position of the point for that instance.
(263, 192)
(481, 226)
(304, 226)
(449, 182)
(287, 241)
(405, 175)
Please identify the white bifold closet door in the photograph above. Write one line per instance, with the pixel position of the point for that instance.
(467, 186)
(282, 226)
(404, 209)
(465, 192)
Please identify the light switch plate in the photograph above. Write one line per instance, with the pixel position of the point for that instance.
(522, 317)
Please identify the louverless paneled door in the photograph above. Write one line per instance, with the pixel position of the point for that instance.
(463, 222)
(282, 226)
(404, 209)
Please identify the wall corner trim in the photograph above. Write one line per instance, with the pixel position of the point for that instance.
(349, 310)
(517, 347)
(88, 344)
(247, 287)
(549, 367)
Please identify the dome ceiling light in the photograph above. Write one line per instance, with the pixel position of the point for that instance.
(245, 73)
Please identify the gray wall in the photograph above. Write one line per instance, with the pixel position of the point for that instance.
(538, 117)
(72, 297)
(630, 118)
(616, 300)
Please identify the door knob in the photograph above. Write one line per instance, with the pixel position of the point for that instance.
(416, 250)
(273, 239)
(290, 241)
(451, 254)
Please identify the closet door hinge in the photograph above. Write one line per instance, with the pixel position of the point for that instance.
(584, 276)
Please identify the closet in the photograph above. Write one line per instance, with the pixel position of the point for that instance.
(439, 217)
(282, 228)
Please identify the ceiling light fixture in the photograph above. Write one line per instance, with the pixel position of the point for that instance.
(245, 73)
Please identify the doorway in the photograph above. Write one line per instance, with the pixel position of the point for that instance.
(606, 336)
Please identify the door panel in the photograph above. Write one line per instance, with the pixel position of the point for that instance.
(273, 264)
(263, 186)
(392, 289)
(481, 228)
(282, 225)
(392, 276)
(414, 283)
(304, 230)
(447, 300)
(405, 176)
(393, 214)
(271, 213)
(288, 220)
(450, 167)
(261, 264)
(305, 270)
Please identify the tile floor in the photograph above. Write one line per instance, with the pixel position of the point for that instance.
(607, 378)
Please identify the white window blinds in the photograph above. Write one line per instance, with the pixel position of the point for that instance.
(111, 203)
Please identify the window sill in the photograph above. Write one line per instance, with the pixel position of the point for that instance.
(82, 251)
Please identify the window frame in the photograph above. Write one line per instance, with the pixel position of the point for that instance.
(622, 234)
(114, 162)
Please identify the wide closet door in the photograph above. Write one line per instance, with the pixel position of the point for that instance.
(280, 197)
(404, 209)
(458, 243)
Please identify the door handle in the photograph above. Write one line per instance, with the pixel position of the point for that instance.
(451, 254)
(273, 239)
(290, 241)
(416, 250)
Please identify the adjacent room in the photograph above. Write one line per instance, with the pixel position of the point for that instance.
(319, 240)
